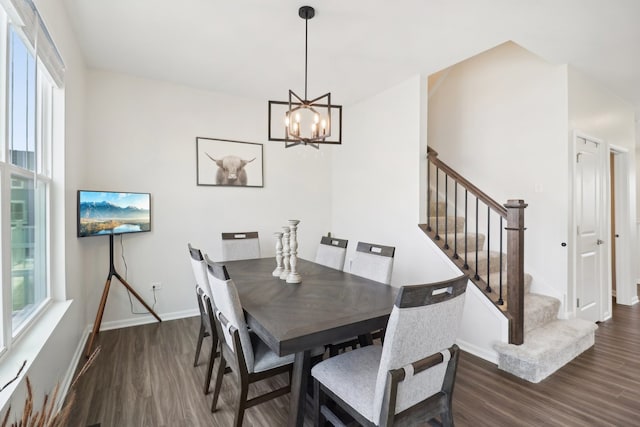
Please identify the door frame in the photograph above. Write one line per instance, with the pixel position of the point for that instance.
(625, 225)
(604, 293)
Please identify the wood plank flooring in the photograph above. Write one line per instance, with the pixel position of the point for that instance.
(145, 377)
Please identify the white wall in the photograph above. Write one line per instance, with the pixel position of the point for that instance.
(499, 119)
(596, 112)
(141, 137)
(377, 181)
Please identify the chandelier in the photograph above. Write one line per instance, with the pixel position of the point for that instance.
(303, 121)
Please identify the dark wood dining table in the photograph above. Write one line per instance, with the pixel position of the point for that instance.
(328, 306)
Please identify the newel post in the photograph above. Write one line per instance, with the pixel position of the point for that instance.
(515, 268)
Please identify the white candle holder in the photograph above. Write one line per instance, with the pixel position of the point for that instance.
(285, 253)
(278, 271)
(294, 276)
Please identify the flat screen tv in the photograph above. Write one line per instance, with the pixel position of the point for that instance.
(109, 212)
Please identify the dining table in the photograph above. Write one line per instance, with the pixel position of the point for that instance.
(328, 306)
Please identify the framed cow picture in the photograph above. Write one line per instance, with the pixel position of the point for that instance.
(228, 163)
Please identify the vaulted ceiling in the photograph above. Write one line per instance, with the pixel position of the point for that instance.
(357, 48)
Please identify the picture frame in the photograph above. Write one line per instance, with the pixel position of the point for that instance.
(229, 163)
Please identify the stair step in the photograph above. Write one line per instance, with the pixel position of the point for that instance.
(441, 209)
(546, 349)
(495, 282)
(451, 222)
(539, 310)
(494, 262)
(451, 238)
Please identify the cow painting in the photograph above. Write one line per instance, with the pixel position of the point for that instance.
(231, 170)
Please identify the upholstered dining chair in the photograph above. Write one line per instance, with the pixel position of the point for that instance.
(373, 261)
(249, 358)
(207, 328)
(411, 375)
(244, 245)
(332, 252)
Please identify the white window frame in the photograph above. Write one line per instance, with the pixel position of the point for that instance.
(45, 93)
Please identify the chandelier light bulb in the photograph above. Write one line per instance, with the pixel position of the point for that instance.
(316, 118)
(298, 117)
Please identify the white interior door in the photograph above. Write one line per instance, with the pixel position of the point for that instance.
(589, 221)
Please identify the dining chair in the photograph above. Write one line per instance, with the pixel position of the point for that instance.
(249, 358)
(244, 245)
(412, 375)
(207, 328)
(332, 252)
(373, 262)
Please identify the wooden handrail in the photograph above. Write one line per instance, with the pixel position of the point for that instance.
(432, 155)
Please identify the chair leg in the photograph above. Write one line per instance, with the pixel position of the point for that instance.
(212, 358)
(446, 417)
(241, 404)
(318, 400)
(199, 343)
(333, 350)
(219, 376)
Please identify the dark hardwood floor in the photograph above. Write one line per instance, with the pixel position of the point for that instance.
(145, 377)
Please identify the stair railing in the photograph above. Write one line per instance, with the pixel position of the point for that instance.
(511, 213)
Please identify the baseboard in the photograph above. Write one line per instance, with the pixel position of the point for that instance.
(71, 370)
(482, 353)
(146, 319)
(634, 300)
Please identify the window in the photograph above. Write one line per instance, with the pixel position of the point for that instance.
(27, 92)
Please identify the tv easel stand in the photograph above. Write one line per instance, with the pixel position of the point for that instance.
(105, 294)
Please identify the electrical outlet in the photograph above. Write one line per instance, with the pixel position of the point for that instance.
(156, 286)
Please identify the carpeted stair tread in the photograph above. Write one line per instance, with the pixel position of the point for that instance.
(451, 238)
(494, 262)
(539, 310)
(439, 209)
(452, 224)
(546, 349)
(495, 282)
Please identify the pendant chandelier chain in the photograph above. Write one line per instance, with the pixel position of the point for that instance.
(306, 49)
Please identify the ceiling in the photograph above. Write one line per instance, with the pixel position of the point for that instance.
(357, 48)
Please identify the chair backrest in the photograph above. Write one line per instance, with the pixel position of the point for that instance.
(240, 246)
(332, 252)
(227, 301)
(374, 262)
(199, 267)
(424, 321)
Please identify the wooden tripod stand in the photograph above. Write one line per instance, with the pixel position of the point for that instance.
(105, 294)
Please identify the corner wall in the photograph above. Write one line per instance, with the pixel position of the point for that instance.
(141, 136)
(378, 176)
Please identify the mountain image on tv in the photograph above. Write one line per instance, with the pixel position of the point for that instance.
(101, 212)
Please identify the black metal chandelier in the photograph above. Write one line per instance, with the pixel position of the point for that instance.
(303, 121)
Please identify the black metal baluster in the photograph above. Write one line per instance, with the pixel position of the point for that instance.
(500, 300)
(455, 220)
(488, 288)
(437, 207)
(466, 234)
(446, 205)
(428, 194)
(477, 277)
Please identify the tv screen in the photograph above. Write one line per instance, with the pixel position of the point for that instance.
(109, 212)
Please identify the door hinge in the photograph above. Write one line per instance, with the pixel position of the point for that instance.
(578, 157)
(578, 302)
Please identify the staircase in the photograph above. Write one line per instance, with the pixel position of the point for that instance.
(546, 342)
